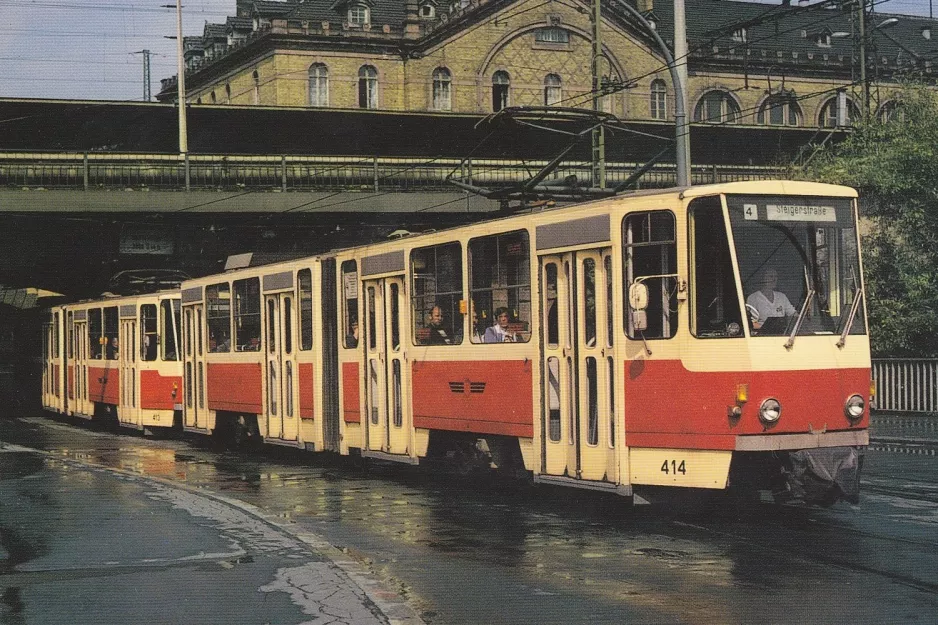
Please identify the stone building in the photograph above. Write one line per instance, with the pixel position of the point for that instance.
(749, 63)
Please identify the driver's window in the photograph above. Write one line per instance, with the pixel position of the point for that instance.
(650, 249)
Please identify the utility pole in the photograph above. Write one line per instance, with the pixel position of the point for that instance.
(681, 125)
(146, 73)
(864, 82)
(181, 84)
(599, 134)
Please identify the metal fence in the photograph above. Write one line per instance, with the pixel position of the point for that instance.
(906, 384)
(170, 172)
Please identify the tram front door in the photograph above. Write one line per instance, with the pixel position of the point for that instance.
(282, 379)
(80, 405)
(388, 423)
(578, 424)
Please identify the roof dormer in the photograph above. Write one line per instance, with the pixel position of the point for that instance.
(357, 13)
(427, 9)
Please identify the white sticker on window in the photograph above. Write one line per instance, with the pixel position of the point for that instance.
(795, 212)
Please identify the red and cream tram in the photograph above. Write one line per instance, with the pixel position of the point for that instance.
(116, 358)
(696, 337)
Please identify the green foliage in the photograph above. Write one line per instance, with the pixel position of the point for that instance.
(894, 166)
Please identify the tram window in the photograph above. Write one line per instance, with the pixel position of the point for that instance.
(805, 244)
(71, 335)
(552, 322)
(395, 317)
(350, 303)
(271, 326)
(650, 250)
(110, 333)
(611, 385)
(437, 294)
(94, 333)
(592, 395)
(288, 325)
(188, 332)
(148, 337)
(500, 278)
(247, 314)
(55, 335)
(169, 313)
(304, 279)
(607, 271)
(372, 319)
(589, 301)
(553, 398)
(715, 299)
(218, 315)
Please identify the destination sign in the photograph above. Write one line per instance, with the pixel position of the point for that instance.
(799, 212)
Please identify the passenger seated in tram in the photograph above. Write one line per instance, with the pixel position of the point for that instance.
(438, 335)
(113, 349)
(351, 339)
(499, 332)
(767, 303)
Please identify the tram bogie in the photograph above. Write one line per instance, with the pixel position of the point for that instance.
(679, 338)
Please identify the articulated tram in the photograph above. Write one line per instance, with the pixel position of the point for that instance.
(700, 337)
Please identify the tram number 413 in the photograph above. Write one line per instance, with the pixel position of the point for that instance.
(673, 467)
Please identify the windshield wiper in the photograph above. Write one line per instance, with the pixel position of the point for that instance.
(854, 307)
(800, 319)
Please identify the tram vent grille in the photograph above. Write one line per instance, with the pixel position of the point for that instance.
(477, 387)
(457, 387)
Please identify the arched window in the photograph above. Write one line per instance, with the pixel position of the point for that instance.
(780, 110)
(257, 87)
(832, 116)
(442, 89)
(227, 93)
(890, 110)
(318, 85)
(501, 82)
(553, 90)
(717, 107)
(659, 99)
(214, 99)
(367, 87)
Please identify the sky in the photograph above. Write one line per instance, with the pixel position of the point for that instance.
(91, 49)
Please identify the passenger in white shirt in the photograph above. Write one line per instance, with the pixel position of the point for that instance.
(769, 302)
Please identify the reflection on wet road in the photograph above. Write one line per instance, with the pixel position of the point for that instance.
(475, 550)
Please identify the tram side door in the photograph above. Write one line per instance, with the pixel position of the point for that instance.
(195, 414)
(389, 425)
(282, 378)
(80, 363)
(578, 366)
(127, 412)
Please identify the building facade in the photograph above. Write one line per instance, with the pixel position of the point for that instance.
(749, 63)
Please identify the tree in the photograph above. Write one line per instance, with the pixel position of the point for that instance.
(894, 166)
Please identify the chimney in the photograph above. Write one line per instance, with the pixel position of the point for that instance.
(411, 20)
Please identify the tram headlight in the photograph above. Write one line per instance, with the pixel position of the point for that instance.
(770, 411)
(853, 408)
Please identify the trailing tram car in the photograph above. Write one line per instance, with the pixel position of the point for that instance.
(696, 337)
(115, 359)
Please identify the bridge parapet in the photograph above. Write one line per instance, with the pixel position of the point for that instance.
(171, 172)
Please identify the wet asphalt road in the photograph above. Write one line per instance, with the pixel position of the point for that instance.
(476, 551)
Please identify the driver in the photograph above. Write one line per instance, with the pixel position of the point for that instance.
(767, 301)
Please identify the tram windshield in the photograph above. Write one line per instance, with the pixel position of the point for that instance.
(792, 250)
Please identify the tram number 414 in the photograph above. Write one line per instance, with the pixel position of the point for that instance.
(673, 467)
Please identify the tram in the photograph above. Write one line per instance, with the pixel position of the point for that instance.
(701, 337)
(115, 359)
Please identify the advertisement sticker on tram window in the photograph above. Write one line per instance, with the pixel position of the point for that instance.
(350, 282)
(799, 212)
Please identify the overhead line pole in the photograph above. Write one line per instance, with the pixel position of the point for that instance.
(599, 135)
